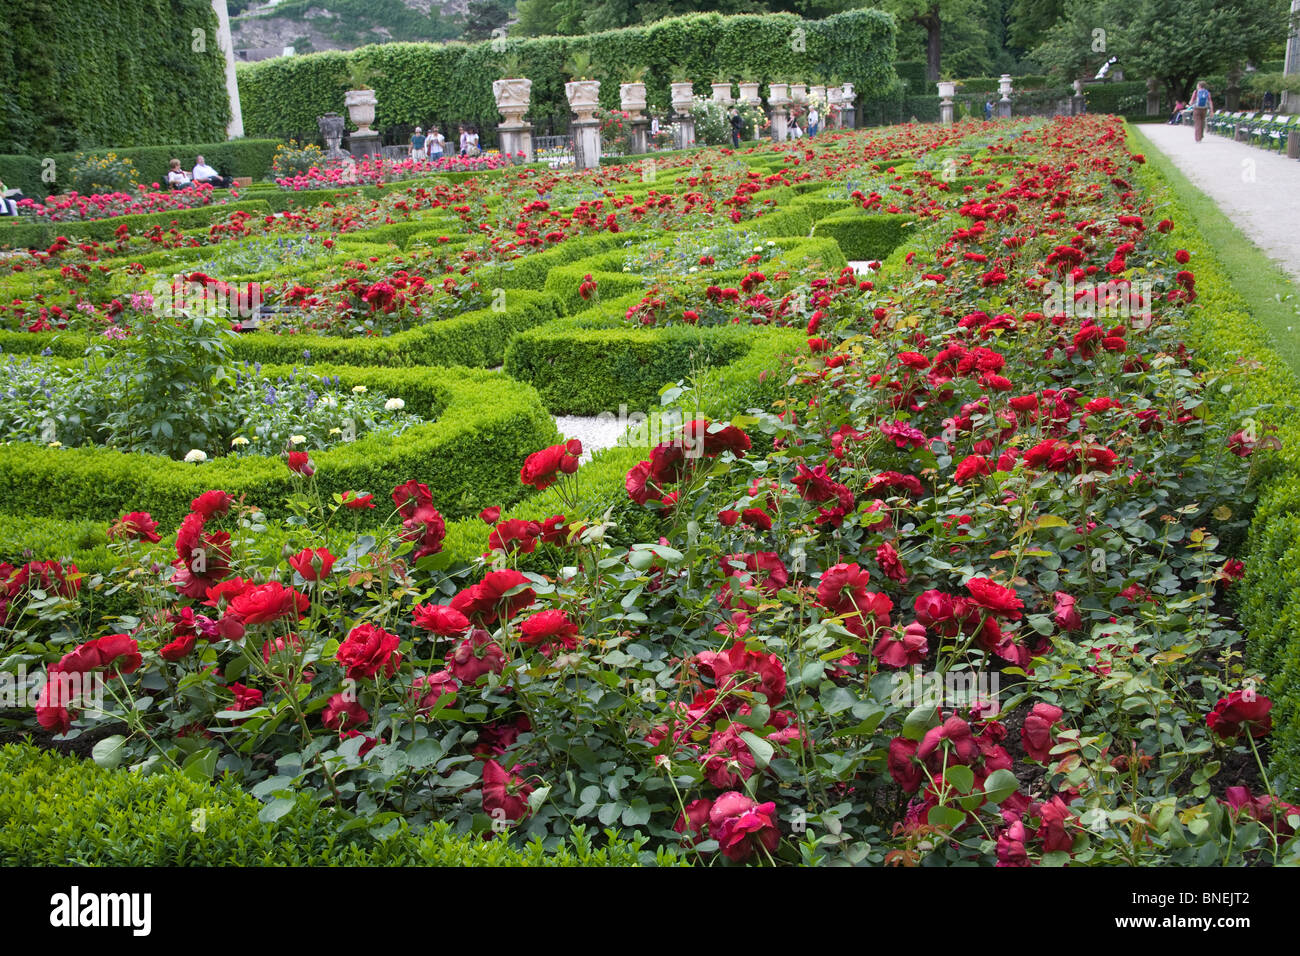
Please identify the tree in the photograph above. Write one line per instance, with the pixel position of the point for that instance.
(482, 17)
(1182, 41)
(1089, 34)
(1029, 21)
(931, 15)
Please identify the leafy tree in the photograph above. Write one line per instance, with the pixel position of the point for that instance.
(550, 18)
(484, 16)
(1181, 41)
(1030, 20)
(1090, 32)
(931, 15)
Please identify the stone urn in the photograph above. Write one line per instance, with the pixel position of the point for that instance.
(631, 97)
(778, 94)
(512, 98)
(583, 96)
(683, 97)
(722, 93)
(331, 130)
(749, 94)
(361, 109)
(947, 90)
(798, 93)
(817, 94)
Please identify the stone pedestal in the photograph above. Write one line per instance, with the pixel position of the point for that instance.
(848, 117)
(1241, 134)
(586, 143)
(947, 89)
(1078, 105)
(1153, 96)
(780, 127)
(1004, 109)
(640, 130)
(364, 144)
(517, 138)
(685, 132)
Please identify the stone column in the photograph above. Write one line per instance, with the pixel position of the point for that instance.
(640, 131)
(777, 100)
(682, 99)
(586, 143)
(848, 113)
(947, 88)
(1004, 104)
(517, 138)
(1153, 96)
(512, 98)
(1078, 105)
(235, 128)
(1232, 95)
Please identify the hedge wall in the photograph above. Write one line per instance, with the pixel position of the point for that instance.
(58, 810)
(470, 456)
(864, 235)
(423, 83)
(82, 73)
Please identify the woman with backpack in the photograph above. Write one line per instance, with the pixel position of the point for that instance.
(1202, 106)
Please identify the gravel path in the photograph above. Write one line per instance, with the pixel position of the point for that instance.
(1258, 189)
(594, 432)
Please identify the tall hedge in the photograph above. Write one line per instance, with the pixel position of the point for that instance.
(420, 82)
(83, 73)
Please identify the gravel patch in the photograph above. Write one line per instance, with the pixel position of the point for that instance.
(594, 432)
(860, 266)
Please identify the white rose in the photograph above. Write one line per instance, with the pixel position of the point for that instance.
(196, 455)
(394, 405)
(358, 389)
(239, 441)
(297, 439)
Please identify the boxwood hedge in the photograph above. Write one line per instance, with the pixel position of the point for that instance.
(56, 810)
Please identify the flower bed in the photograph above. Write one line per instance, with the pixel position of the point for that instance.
(373, 171)
(939, 574)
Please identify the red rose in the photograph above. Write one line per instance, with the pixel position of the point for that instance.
(441, 619)
(117, 652)
(426, 691)
(486, 600)
(741, 825)
(1065, 614)
(313, 563)
(350, 499)
(543, 468)
(972, 466)
(368, 650)
(490, 515)
(547, 628)
(1241, 710)
(1036, 734)
(903, 766)
(300, 462)
(995, 598)
(246, 698)
(695, 819)
(505, 795)
(1057, 823)
(211, 503)
(135, 526)
(342, 712)
(268, 602)
(904, 649)
(475, 656)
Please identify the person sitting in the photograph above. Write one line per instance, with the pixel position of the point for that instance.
(178, 178)
(206, 175)
(9, 200)
(1177, 118)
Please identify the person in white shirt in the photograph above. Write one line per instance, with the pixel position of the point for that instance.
(464, 141)
(814, 121)
(472, 147)
(203, 173)
(178, 178)
(436, 144)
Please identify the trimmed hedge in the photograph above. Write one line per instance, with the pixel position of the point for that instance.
(80, 73)
(865, 235)
(30, 234)
(284, 96)
(613, 282)
(57, 810)
(486, 425)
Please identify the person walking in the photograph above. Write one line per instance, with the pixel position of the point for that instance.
(436, 145)
(418, 139)
(1202, 106)
(988, 110)
(737, 126)
(814, 121)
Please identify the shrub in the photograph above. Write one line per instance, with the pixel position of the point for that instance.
(61, 811)
(109, 173)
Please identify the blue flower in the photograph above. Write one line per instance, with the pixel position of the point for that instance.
(47, 351)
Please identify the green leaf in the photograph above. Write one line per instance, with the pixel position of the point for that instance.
(760, 748)
(919, 721)
(1000, 785)
(276, 809)
(109, 752)
(201, 764)
(961, 777)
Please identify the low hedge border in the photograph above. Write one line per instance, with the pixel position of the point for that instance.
(486, 425)
(1224, 330)
(865, 235)
(61, 811)
(35, 234)
(476, 339)
(612, 282)
(753, 380)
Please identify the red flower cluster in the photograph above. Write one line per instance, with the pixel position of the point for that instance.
(422, 522)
